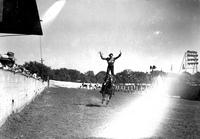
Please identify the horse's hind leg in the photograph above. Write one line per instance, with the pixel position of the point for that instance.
(103, 98)
(110, 96)
(107, 101)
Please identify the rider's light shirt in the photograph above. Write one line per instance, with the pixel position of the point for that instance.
(110, 61)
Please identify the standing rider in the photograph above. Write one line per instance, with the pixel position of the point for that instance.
(110, 60)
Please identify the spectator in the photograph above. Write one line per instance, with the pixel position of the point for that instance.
(7, 60)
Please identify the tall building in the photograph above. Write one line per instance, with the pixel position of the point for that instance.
(189, 62)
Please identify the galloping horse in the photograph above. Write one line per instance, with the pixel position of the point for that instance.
(107, 90)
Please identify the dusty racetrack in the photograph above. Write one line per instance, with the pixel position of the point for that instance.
(63, 113)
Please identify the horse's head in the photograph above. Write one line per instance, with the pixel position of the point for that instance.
(109, 80)
(109, 84)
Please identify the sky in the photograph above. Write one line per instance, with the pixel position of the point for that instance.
(147, 32)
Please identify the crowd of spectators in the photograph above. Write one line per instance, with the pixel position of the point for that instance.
(8, 62)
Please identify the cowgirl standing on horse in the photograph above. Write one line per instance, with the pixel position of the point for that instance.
(110, 60)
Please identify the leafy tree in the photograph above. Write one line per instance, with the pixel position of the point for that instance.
(83, 78)
(60, 74)
(74, 74)
(100, 76)
(90, 77)
(196, 77)
(40, 69)
(129, 76)
(64, 74)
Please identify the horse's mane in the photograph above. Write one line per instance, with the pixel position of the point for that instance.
(109, 81)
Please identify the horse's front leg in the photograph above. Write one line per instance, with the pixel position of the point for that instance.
(103, 97)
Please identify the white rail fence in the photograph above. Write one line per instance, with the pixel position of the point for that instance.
(16, 91)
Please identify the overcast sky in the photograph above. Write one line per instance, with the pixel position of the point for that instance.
(148, 32)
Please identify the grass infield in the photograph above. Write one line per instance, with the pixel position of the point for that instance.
(63, 113)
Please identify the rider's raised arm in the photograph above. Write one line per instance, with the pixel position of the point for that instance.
(102, 56)
(118, 55)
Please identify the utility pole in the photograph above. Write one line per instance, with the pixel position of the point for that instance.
(41, 60)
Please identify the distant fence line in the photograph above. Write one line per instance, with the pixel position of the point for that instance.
(127, 87)
(131, 87)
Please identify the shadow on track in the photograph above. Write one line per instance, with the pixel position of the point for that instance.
(93, 105)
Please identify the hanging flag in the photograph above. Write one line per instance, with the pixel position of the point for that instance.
(19, 17)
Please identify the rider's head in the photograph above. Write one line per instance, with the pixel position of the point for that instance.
(111, 55)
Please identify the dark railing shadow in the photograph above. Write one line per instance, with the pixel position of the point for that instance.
(93, 105)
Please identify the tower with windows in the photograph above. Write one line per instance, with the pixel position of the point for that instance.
(189, 62)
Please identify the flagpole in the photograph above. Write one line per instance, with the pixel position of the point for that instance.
(41, 60)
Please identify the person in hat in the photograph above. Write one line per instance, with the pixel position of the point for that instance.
(110, 60)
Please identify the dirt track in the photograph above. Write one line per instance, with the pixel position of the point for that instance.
(62, 113)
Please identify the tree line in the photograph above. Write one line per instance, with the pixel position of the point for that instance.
(64, 74)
